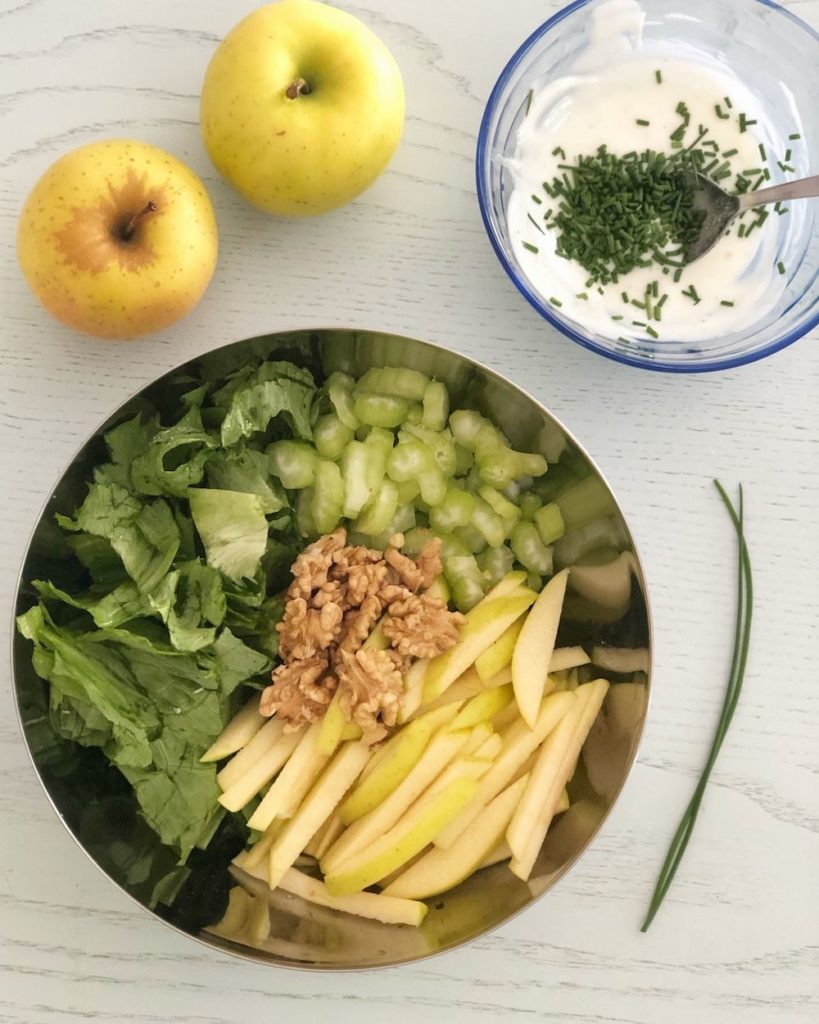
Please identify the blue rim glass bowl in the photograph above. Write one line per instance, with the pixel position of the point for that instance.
(769, 49)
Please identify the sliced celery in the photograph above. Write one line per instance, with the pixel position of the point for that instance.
(534, 582)
(436, 405)
(464, 460)
(328, 497)
(304, 515)
(397, 382)
(356, 467)
(471, 538)
(500, 466)
(465, 580)
(549, 523)
(508, 512)
(378, 513)
(380, 410)
(414, 540)
(408, 491)
(331, 436)
(529, 504)
(339, 392)
(404, 518)
(440, 444)
(530, 550)
(488, 523)
(495, 563)
(415, 414)
(409, 461)
(293, 462)
(455, 510)
(433, 487)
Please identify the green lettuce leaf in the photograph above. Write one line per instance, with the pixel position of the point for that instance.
(232, 527)
(273, 389)
(175, 458)
(246, 471)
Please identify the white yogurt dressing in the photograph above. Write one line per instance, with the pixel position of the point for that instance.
(600, 105)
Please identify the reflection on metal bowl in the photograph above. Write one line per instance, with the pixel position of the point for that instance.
(605, 611)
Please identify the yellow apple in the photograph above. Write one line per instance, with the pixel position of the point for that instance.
(388, 909)
(264, 740)
(253, 781)
(295, 778)
(118, 239)
(302, 107)
(534, 647)
(239, 731)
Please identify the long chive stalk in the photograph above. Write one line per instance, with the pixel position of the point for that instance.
(736, 674)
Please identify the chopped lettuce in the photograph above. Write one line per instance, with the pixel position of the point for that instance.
(232, 527)
(184, 542)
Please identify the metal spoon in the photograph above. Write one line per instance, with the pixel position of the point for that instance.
(721, 208)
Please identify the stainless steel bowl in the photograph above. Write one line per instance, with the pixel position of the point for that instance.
(97, 807)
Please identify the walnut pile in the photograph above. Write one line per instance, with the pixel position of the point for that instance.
(338, 596)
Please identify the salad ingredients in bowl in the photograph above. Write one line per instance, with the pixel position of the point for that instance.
(343, 644)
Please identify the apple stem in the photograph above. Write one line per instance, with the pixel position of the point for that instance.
(298, 87)
(130, 226)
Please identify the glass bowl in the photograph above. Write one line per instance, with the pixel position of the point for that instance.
(776, 55)
(99, 809)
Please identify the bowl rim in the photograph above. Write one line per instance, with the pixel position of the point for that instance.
(517, 278)
(214, 943)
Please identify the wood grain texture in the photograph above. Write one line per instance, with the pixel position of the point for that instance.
(737, 939)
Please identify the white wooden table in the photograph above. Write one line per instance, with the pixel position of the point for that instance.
(736, 939)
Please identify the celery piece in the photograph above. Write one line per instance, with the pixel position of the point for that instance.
(472, 539)
(395, 382)
(404, 518)
(379, 444)
(409, 461)
(464, 460)
(455, 510)
(534, 582)
(414, 540)
(331, 436)
(549, 523)
(356, 468)
(304, 514)
(293, 462)
(328, 497)
(497, 467)
(508, 512)
(415, 414)
(465, 580)
(378, 513)
(495, 563)
(530, 550)
(529, 504)
(408, 491)
(380, 410)
(489, 523)
(339, 392)
(436, 405)
(584, 501)
(440, 444)
(433, 487)
(465, 424)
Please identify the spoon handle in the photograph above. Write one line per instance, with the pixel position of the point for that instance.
(805, 188)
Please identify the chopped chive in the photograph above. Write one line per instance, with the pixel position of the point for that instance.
(787, 155)
(536, 199)
(728, 102)
(638, 304)
(780, 267)
(559, 151)
(753, 170)
(530, 247)
(661, 302)
(650, 330)
(617, 316)
(762, 152)
(644, 123)
(532, 219)
(582, 295)
(624, 296)
(783, 210)
(760, 181)
(730, 152)
(741, 231)
(677, 275)
(600, 290)
(658, 75)
(725, 302)
(719, 113)
(795, 136)
(639, 323)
